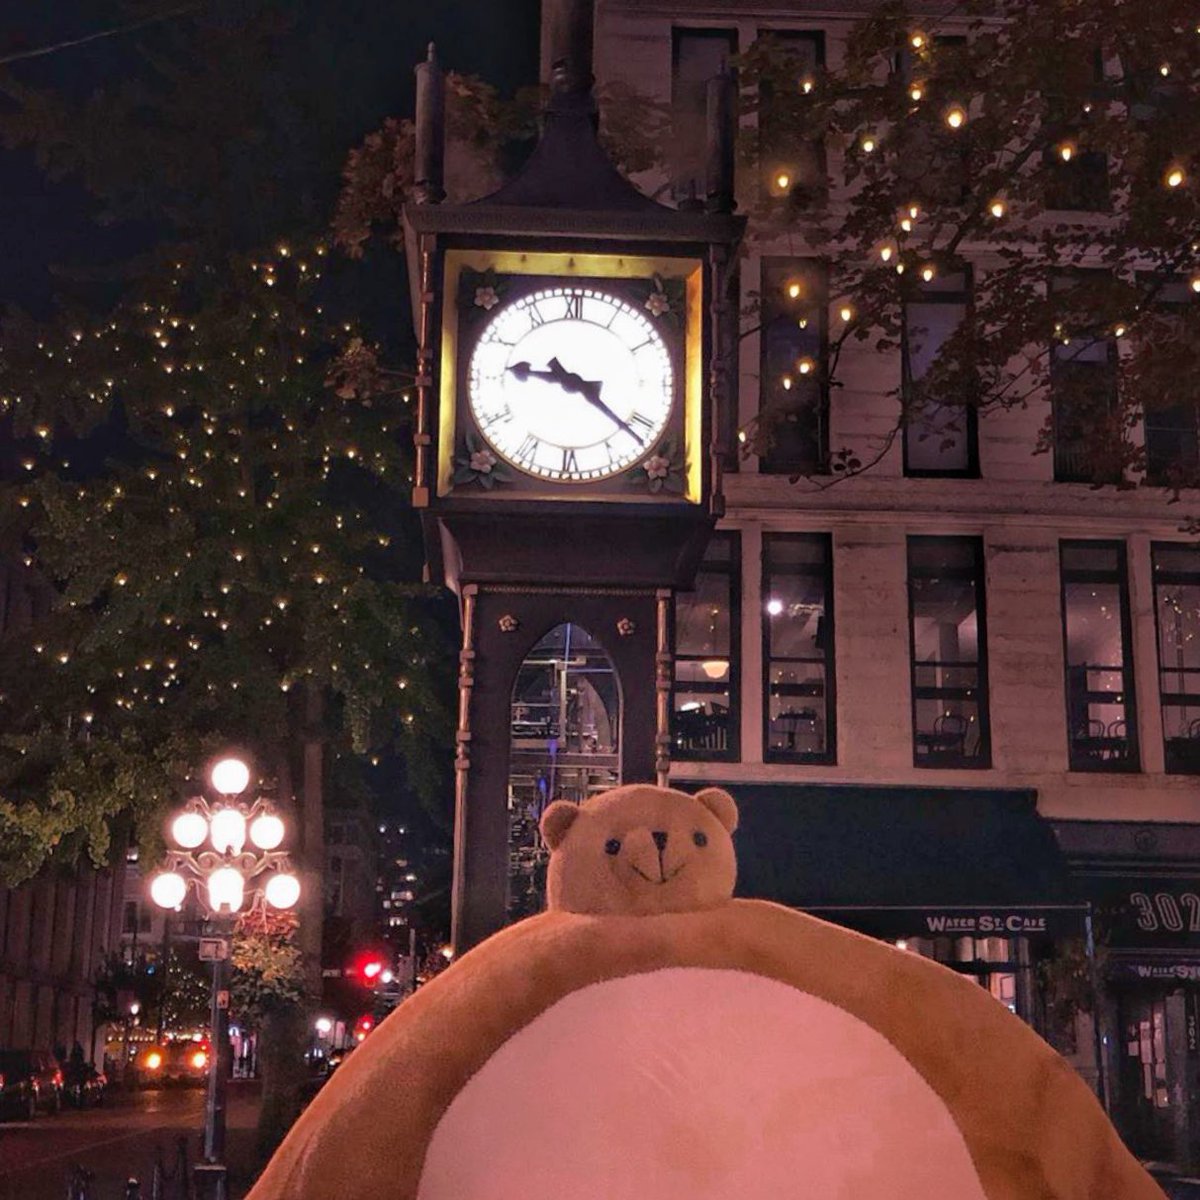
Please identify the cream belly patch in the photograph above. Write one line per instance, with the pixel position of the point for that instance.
(694, 1084)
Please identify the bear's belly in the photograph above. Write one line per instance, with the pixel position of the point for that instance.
(694, 1084)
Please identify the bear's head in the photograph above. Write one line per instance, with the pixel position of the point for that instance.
(641, 849)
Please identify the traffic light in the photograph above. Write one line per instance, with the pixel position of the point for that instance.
(371, 970)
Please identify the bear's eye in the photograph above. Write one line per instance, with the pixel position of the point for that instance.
(612, 846)
(700, 837)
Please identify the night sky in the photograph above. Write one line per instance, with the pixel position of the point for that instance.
(337, 69)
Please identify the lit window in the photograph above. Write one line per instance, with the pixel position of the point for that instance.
(1101, 722)
(949, 658)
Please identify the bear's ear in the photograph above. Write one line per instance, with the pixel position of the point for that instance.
(556, 820)
(721, 804)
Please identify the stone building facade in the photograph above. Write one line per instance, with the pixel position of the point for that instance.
(961, 690)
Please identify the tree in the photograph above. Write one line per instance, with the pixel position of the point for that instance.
(1053, 147)
(222, 510)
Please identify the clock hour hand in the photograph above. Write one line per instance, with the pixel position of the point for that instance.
(574, 384)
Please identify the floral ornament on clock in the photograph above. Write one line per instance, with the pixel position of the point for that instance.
(666, 299)
(664, 469)
(475, 463)
(481, 290)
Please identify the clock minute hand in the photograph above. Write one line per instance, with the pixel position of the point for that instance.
(591, 393)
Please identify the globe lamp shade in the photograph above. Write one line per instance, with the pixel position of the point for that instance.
(266, 831)
(168, 889)
(282, 890)
(228, 831)
(226, 890)
(230, 776)
(189, 830)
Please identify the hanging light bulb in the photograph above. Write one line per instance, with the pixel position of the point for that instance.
(783, 181)
(805, 366)
(787, 383)
(228, 828)
(928, 271)
(715, 668)
(885, 252)
(282, 890)
(1175, 176)
(168, 889)
(998, 208)
(226, 890)
(1066, 151)
(916, 92)
(868, 144)
(1195, 283)
(917, 40)
(806, 86)
(266, 831)
(189, 830)
(956, 116)
(794, 290)
(846, 313)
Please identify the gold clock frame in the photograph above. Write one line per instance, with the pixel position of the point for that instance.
(566, 266)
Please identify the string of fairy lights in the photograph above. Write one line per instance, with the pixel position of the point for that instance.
(221, 555)
(892, 251)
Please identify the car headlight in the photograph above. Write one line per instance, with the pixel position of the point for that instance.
(153, 1060)
(199, 1059)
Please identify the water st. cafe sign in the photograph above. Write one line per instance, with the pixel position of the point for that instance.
(1019, 920)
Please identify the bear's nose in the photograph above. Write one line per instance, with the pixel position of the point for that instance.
(660, 839)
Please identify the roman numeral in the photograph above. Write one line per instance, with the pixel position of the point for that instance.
(497, 418)
(609, 451)
(574, 307)
(535, 316)
(528, 449)
(643, 423)
(570, 465)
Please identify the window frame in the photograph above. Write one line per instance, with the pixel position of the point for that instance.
(729, 35)
(1171, 765)
(820, 461)
(733, 750)
(1062, 472)
(827, 757)
(816, 148)
(978, 576)
(971, 423)
(1133, 764)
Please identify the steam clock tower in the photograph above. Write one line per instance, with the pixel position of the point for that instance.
(574, 342)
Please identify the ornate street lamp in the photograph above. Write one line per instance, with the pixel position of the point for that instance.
(227, 850)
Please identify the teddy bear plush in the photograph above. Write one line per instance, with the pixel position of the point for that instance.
(651, 1038)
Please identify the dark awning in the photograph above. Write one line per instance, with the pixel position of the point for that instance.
(897, 861)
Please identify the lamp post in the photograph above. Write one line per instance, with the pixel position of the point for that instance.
(227, 849)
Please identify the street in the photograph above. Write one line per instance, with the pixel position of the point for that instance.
(114, 1142)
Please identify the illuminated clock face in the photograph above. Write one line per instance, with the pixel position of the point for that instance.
(571, 384)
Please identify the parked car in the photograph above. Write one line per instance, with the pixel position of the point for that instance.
(83, 1085)
(173, 1063)
(31, 1081)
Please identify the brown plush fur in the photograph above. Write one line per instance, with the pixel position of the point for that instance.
(641, 849)
(1032, 1127)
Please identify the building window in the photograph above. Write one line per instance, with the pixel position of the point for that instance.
(949, 652)
(798, 672)
(697, 55)
(794, 395)
(1172, 441)
(1083, 390)
(1101, 716)
(789, 61)
(1075, 177)
(705, 722)
(1177, 611)
(129, 919)
(939, 437)
(932, 160)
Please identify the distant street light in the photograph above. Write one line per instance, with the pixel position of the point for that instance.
(211, 855)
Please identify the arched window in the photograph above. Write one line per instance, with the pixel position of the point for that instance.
(565, 744)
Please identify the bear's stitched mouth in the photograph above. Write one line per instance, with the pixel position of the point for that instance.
(664, 879)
